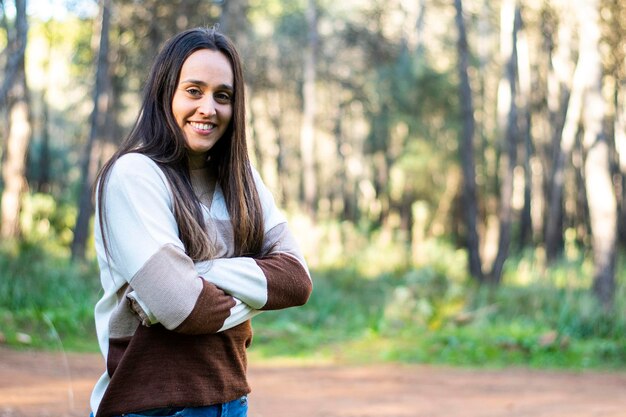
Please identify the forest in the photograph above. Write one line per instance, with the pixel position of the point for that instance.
(454, 170)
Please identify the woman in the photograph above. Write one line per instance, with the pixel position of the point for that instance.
(190, 243)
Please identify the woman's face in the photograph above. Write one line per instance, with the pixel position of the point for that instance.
(203, 102)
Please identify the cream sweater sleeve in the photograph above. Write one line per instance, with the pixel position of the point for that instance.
(146, 252)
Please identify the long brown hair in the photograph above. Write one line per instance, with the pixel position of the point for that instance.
(157, 135)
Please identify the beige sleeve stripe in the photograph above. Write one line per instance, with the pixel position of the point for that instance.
(169, 285)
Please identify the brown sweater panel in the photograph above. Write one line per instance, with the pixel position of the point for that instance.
(288, 284)
(161, 368)
(211, 310)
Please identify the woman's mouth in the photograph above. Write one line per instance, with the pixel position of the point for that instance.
(202, 127)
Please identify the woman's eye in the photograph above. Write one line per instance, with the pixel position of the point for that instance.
(194, 91)
(223, 97)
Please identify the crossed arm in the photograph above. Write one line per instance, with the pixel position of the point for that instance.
(232, 290)
(168, 287)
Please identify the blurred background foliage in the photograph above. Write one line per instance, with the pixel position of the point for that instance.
(359, 124)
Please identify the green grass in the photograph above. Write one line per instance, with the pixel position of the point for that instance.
(45, 296)
(434, 313)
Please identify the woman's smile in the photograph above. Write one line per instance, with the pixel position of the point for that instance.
(202, 128)
(203, 101)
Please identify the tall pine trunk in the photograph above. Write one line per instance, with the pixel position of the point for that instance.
(17, 49)
(620, 144)
(14, 166)
(467, 149)
(564, 104)
(507, 115)
(598, 182)
(234, 22)
(307, 133)
(525, 129)
(89, 164)
(44, 180)
(563, 151)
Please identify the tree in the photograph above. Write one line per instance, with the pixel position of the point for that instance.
(16, 48)
(565, 104)
(307, 135)
(615, 69)
(467, 148)
(14, 167)
(525, 130)
(508, 127)
(597, 171)
(90, 159)
(234, 23)
(43, 179)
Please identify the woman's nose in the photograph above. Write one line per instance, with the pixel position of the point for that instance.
(207, 106)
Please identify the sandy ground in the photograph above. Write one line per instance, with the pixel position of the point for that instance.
(35, 384)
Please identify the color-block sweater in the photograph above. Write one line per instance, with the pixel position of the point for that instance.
(174, 332)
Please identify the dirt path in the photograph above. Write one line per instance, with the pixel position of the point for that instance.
(39, 385)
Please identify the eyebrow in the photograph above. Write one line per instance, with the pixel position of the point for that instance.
(204, 84)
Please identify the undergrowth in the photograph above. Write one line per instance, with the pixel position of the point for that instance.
(46, 301)
(432, 313)
(437, 314)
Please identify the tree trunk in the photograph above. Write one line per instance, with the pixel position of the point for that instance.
(507, 115)
(420, 25)
(467, 149)
(255, 138)
(341, 189)
(14, 167)
(89, 165)
(554, 222)
(307, 134)
(525, 125)
(233, 20)
(43, 159)
(15, 61)
(274, 114)
(564, 105)
(620, 144)
(43, 180)
(599, 185)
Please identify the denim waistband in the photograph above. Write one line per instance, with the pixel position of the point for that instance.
(235, 408)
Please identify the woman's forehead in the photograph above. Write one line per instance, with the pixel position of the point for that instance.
(208, 66)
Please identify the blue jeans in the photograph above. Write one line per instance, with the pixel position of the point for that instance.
(235, 408)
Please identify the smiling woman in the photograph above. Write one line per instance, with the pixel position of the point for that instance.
(189, 241)
(202, 104)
